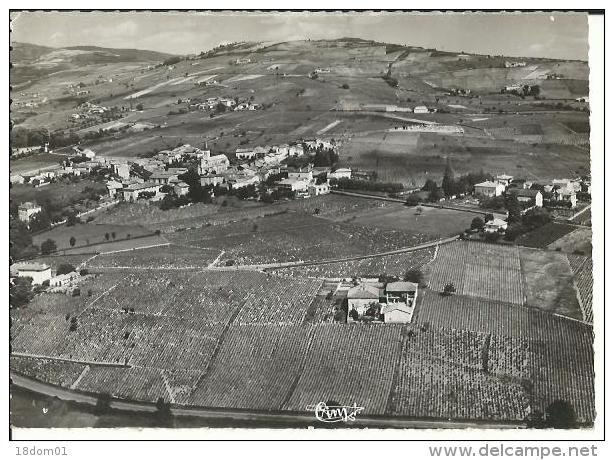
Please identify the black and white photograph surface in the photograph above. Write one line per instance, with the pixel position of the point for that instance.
(240, 219)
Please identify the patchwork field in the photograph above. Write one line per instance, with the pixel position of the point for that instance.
(545, 236)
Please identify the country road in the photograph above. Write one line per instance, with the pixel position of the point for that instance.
(257, 417)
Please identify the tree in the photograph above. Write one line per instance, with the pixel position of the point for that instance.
(113, 235)
(48, 246)
(449, 289)
(345, 86)
(107, 236)
(477, 223)
(65, 268)
(72, 219)
(353, 314)
(72, 241)
(513, 209)
(447, 184)
(139, 106)
(430, 185)
(414, 275)
(436, 195)
(163, 412)
(20, 293)
(412, 200)
(103, 404)
(40, 221)
(73, 324)
(560, 414)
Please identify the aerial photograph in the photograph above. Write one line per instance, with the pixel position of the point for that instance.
(300, 220)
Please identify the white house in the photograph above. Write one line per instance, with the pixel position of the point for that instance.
(489, 188)
(360, 298)
(495, 225)
(245, 154)
(530, 197)
(181, 188)
(397, 313)
(341, 173)
(504, 179)
(305, 174)
(38, 272)
(113, 186)
(318, 189)
(211, 179)
(294, 185)
(162, 177)
(122, 170)
(17, 179)
(565, 194)
(243, 181)
(421, 109)
(26, 210)
(131, 193)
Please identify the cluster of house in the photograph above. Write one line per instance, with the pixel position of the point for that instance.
(212, 102)
(252, 166)
(369, 299)
(87, 110)
(531, 194)
(27, 210)
(41, 273)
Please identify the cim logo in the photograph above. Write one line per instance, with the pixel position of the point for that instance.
(331, 412)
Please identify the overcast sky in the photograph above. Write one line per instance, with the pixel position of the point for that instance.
(562, 36)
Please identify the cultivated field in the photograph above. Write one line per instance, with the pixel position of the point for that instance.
(583, 279)
(170, 256)
(545, 236)
(256, 367)
(548, 285)
(291, 237)
(578, 241)
(480, 270)
(396, 265)
(342, 365)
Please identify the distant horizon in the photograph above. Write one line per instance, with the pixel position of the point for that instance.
(297, 40)
(523, 35)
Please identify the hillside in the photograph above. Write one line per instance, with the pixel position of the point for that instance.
(352, 89)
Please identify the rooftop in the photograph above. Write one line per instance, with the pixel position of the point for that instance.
(30, 266)
(401, 286)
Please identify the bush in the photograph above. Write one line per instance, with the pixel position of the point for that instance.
(477, 223)
(83, 272)
(65, 268)
(414, 275)
(449, 289)
(48, 246)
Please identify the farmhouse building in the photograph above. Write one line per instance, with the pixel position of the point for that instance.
(163, 177)
(122, 170)
(504, 179)
(567, 195)
(305, 174)
(245, 154)
(211, 179)
(17, 179)
(319, 189)
(397, 313)
(361, 297)
(341, 173)
(495, 225)
(27, 210)
(38, 272)
(131, 192)
(529, 197)
(421, 109)
(181, 188)
(112, 187)
(293, 185)
(489, 189)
